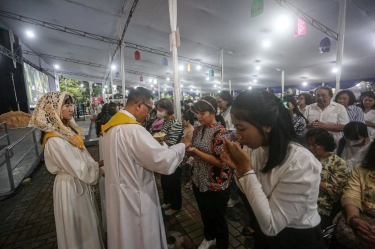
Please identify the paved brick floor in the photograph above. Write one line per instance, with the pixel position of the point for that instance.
(27, 219)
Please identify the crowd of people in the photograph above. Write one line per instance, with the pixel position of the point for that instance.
(298, 165)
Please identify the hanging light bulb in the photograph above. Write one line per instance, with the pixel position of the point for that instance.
(189, 67)
(207, 78)
(199, 67)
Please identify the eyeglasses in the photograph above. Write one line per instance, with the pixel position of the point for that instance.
(301, 98)
(148, 107)
(322, 95)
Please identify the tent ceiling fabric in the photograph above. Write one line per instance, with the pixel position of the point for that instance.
(206, 27)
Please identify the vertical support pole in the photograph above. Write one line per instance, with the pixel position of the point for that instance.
(15, 93)
(122, 48)
(200, 91)
(282, 83)
(35, 143)
(340, 46)
(222, 70)
(230, 86)
(159, 89)
(9, 168)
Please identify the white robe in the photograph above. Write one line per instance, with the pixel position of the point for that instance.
(76, 214)
(131, 155)
(102, 188)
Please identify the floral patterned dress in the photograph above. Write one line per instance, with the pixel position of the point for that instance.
(209, 139)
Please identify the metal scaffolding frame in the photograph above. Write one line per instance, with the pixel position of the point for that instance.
(20, 60)
(309, 19)
(57, 27)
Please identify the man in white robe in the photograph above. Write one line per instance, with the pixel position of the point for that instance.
(134, 219)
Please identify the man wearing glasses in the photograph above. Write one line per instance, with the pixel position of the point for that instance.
(327, 114)
(131, 157)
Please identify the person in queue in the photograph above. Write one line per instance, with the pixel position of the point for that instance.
(327, 114)
(187, 122)
(304, 100)
(134, 219)
(299, 121)
(211, 178)
(74, 204)
(347, 99)
(171, 184)
(334, 172)
(368, 107)
(355, 227)
(357, 143)
(279, 177)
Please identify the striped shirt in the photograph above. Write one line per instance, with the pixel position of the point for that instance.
(355, 114)
(173, 129)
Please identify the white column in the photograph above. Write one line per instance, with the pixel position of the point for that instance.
(200, 91)
(110, 91)
(282, 83)
(340, 45)
(159, 89)
(90, 89)
(222, 69)
(122, 48)
(230, 86)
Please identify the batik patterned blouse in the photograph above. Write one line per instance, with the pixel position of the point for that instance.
(335, 175)
(210, 139)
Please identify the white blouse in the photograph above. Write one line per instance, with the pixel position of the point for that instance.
(370, 117)
(287, 195)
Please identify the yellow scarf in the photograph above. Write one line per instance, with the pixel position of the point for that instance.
(78, 143)
(118, 119)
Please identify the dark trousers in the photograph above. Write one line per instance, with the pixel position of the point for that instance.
(212, 206)
(171, 186)
(234, 190)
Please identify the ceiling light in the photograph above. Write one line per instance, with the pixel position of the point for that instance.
(81, 85)
(56, 66)
(283, 23)
(167, 79)
(126, 91)
(150, 80)
(182, 85)
(207, 78)
(105, 86)
(113, 67)
(214, 85)
(199, 67)
(191, 90)
(358, 85)
(155, 81)
(255, 81)
(304, 83)
(181, 67)
(153, 91)
(335, 70)
(266, 44)
(257, 68)
(30, 34)
(249, 87)
(218, 91)
(165, 89)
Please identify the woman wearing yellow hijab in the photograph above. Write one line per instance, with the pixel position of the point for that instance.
(76, 214)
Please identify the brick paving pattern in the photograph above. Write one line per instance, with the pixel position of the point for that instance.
(27, 219)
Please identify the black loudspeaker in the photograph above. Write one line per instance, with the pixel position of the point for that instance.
(7, 94)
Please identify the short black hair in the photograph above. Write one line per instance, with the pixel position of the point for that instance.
(167, 105)
(112, 108)
(264, 109)
(355, 130)
(139, 94)
(352, 98)
(188, 118)
(330, 92)
(225, 95)
(370, 95)
(322, 138)
(308, 98)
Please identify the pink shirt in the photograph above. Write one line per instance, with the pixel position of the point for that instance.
(157, 125)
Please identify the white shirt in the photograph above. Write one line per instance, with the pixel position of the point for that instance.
(370, 117)
(100, 108)
(334, 113)
(303, 111)
(287, 195)
(132, 155)
(353, 155)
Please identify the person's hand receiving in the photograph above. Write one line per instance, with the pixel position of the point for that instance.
(319, 125)
(365, 230)
(101, 163)
(235, 157)
(186, 142)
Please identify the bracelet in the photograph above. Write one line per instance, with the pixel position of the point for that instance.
(248, 173)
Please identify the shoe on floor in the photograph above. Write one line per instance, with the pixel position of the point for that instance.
(247, 231)
(207, 243)
(170, 212)
(232, 203)
(165, 206)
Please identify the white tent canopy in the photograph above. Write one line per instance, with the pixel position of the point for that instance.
(206, 28)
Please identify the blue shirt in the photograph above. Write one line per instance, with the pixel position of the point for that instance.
(355, 114)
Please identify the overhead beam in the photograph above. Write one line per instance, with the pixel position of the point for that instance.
(57, 27)
(21, 60)
(316, 24)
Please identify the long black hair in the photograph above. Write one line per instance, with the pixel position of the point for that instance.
(262, 109)
(202, 106)
(368, 161)
(370, 95)
(292, 100)
(355, 130)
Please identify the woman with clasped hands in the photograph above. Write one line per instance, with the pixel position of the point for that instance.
(280, 177)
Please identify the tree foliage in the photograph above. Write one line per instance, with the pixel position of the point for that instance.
(80, 94)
